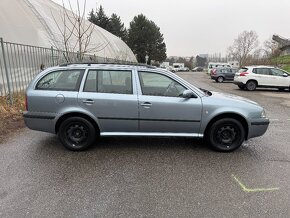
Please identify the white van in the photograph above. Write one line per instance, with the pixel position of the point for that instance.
(212, 65)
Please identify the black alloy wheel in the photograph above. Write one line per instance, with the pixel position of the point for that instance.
(226, 135)
(77, 134)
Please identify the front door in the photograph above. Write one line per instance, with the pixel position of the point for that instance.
(163, 109)
(112, 99)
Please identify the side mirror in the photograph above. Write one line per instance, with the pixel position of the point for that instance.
(285, 75)
(188, 94)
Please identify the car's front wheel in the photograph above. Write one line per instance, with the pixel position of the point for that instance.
(226, 135)
(77, 133)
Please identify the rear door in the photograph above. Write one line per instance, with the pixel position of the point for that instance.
(111, 97)
(263, 76)
(229, 74)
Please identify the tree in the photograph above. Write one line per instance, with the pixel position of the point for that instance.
(75, 33)
(242, 47)
(117, 28)
(272, 48)
(100, 18)
(200, 61)
(144, 38)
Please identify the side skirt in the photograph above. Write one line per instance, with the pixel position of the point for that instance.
(158, 134)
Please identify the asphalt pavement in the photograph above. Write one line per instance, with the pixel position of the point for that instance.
(152, 177)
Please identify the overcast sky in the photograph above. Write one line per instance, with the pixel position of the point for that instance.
(192, 27)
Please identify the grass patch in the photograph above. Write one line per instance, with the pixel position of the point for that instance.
(286, 67)
(15, 110)
(11, 115)
(281, 60)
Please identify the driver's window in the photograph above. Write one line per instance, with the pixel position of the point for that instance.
(276, 72)
(159, 85)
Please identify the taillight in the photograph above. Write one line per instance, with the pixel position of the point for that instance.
(244, 73)
(213, 72)
(26, 103)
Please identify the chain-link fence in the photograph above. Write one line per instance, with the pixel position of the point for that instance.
(19, 64)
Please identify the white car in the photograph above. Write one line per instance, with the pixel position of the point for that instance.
(262, 76)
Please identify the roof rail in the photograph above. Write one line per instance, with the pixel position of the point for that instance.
(116, 63)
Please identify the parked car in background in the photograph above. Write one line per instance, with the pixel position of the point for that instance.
(252, 77)
(213, 65)
(184, 69)
(197, 69)
(80, 102)
(223, 74)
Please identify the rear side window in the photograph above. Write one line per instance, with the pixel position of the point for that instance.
(64, 80)
(262, 71)
(103, 81)
(242, 70)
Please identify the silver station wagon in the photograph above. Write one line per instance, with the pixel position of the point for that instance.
(80, 102)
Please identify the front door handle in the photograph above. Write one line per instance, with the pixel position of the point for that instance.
(146, 104)
(88, 101)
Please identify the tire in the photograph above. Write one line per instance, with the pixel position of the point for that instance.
(281, 89)
(225, 135)
(77, 134)
(242, 87)
(251, 85)
(220, 79)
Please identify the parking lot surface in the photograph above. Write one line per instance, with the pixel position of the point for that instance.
(152, 177)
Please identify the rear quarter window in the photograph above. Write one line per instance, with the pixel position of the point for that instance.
(61, 80)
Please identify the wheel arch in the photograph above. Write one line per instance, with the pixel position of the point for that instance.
(235, 116)
(76, 114)
(253, 80)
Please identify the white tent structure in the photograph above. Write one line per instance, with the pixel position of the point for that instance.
(40, 23)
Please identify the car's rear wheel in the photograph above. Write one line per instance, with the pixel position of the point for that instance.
(251, 85)
(77, 133)
(220, 79)
(226, 135)
(242, 86)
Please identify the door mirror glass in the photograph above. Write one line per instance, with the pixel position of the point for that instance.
(188, 94)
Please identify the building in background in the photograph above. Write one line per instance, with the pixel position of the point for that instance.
(39, 23)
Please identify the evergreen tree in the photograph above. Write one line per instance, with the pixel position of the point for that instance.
(144, 38)
(117, 27)
(100, 18)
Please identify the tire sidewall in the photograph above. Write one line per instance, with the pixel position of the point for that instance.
(92, 134)
(216, 125)
(220, 79)
(251, 82)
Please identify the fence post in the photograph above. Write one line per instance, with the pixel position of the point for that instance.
(6, 71)
(52, 56)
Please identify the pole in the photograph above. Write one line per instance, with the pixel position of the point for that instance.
(6, 71)
(52, 55)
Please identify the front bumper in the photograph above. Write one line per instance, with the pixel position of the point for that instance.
(258, 127)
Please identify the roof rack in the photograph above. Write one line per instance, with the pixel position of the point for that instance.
(116, 63)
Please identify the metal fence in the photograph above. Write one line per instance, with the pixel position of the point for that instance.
(19, 64)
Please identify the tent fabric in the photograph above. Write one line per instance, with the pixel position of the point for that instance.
(40, 23)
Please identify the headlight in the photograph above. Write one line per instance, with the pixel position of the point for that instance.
(263, 114)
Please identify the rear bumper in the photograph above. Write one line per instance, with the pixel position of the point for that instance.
(44, 122)
(258, 127)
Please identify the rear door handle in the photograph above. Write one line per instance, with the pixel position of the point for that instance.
(88, 101)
